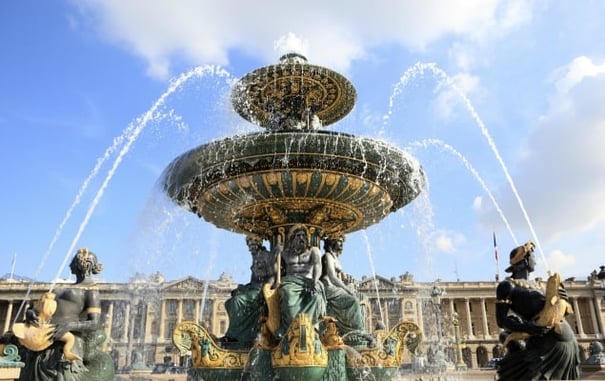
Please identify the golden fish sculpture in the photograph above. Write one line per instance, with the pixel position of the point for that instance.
(554, 311)
(38, 338)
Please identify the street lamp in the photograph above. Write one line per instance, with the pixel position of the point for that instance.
(460, 364)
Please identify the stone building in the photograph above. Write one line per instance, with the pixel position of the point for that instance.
(139, 316)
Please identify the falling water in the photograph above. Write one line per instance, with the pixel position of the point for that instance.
(366, 239)
(448, 148)
(209, 268)
(117, 142)
(130, 134)
(424, 227)
(133, 134)
(442, 77)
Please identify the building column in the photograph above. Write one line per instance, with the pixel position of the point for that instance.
(576, 310)
(452, 309)
(419, 317)
(593, 316)
(126, 323)
(596, 304)
(179, 311)
(486, 332)
(385, 314)
(129, 333)
(197, 311)
(9, 316)
(162, 318)
(109, 321)
(401, 309)
(469, 326)
(149, 312)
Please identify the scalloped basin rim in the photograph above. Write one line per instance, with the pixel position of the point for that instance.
(293, 177)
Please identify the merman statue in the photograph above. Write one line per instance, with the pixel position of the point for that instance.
(300, 290)
(246, 307)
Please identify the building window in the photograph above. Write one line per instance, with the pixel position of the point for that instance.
(393, 306)
(189, 308)
(170, 326)
(171, 306)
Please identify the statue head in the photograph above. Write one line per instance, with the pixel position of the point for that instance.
(85, 263)
(334, 243)
(522, 257)
(254, 242)
(297, 234)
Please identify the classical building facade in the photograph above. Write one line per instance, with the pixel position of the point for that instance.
(140, 316)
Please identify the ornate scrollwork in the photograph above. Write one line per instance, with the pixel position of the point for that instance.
(390, 354)
(331, 339)
(10, 357)
(205, 351)
(300, 346)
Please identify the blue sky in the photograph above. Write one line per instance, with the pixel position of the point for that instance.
(500, 101)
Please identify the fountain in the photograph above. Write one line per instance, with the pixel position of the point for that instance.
(294, 185)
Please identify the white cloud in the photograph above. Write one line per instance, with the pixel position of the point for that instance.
(560, 262)
(478, 203)
(444, 244)
(569, 76)
(205, 31)
(448, 242)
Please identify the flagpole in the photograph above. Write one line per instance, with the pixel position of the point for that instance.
(497, 257)
(13, 266)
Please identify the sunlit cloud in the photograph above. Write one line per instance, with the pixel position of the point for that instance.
(205, 31)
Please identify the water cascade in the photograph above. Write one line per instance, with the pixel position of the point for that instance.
(443, 79)
(121, 144)
(449, 149)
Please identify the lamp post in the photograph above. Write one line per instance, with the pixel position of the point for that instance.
(460, 364)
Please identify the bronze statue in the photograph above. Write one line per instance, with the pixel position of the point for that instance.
(74, 338)
(544, 350)
(342, 304)
(300, 290)
(246, 306)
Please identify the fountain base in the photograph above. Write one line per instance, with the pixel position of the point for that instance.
(304, 353)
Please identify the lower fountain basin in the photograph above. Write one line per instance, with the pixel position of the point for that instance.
(254, 183)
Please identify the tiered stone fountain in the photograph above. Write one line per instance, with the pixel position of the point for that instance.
(294, 174)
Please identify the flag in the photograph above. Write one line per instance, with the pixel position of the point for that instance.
(495, 247)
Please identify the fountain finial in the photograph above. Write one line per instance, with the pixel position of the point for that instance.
(293, 57)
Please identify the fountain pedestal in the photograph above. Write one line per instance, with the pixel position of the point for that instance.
(303, 354)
